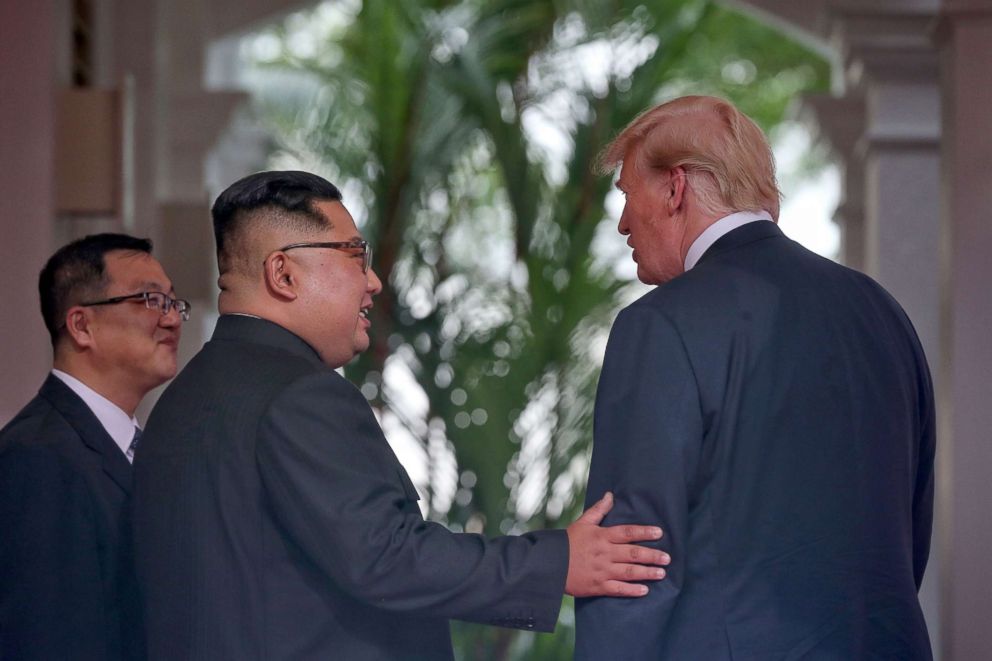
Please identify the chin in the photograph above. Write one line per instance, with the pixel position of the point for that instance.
(648, 278)
(166, 373)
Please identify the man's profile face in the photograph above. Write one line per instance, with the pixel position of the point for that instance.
(335, 294)
(135, 343)
(651, 230)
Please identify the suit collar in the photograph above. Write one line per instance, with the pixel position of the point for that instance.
(742, 236)
(243, 328)
(91, 432)
(118, 424)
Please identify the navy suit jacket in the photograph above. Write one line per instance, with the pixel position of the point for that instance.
(67, 589)
(272, 521)
(774, 412)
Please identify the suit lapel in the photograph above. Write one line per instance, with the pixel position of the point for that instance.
(91, 432)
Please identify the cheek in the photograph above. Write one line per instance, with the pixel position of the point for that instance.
(130, 334)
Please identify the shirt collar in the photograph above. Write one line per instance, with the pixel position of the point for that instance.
(118, 424)
(723, 226)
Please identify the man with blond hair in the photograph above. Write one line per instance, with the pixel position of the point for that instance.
(772, 409)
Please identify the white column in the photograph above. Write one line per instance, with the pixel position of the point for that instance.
(965, 414)
(891, 64)
(840, 122)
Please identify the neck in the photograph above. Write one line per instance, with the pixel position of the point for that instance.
(230, 304)
(104, 382)
(696, 224)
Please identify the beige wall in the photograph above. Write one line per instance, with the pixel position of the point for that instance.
(27, 121)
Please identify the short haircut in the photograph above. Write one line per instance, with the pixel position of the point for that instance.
(275, 198)
(77, 272)
(724, 153)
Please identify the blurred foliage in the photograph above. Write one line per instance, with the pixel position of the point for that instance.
(462, 133)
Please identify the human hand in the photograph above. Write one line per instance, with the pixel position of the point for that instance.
(605, 561)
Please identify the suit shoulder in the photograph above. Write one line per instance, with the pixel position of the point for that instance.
(245, 376)
(230, 368)
(38, 425)
(39, 449)
(320, 385)
(256, 357)
(690, 295)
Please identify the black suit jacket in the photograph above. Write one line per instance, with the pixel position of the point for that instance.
(67, 589)
(773, 410)
(273, 521)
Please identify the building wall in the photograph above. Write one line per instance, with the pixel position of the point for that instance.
(27, 127)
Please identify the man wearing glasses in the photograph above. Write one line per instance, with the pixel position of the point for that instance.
(272, 520)
(66, 579)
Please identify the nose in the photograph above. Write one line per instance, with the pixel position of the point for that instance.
(623, 227)
(374, 285)
(171, 319)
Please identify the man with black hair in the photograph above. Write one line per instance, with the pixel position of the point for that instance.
(272, 520)
(66, 580)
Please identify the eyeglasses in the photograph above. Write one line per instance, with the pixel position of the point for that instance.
(356, 244)
(154, 300)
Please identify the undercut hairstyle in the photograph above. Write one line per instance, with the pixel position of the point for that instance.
(77, 273)
(726, 157)
(275, 199)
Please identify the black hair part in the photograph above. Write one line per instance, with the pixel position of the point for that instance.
(291, 191)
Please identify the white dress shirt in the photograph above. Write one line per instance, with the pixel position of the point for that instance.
(712, 233)
(119, 425)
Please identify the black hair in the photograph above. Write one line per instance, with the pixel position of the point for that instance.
(289, 191)
(77, 271)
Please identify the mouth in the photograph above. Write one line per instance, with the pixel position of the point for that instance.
(363, 315)
(172, 342)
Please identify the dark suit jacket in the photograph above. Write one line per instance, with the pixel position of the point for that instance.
(774, 412)
(66, 581)
(273, 521)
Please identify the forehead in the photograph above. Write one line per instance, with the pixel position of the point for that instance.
(629, 176)
(342, 224)
(135, 270)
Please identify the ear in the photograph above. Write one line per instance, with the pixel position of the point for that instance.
(282, 277)
(77, 326)
(675, 188)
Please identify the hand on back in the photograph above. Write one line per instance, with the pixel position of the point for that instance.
(608, 561)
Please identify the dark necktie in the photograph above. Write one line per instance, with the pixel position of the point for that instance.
(134, 443)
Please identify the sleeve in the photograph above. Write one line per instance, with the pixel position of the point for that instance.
(50, 587)
(923, 495)
(648, 432)
(337, 489)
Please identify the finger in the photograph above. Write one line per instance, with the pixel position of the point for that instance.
(621, 589)
(629, 572)
(641, 555)
(631, 533)
(599, 510)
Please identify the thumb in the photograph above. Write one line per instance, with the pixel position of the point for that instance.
(595, 514)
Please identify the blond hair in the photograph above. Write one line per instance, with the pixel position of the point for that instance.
(727, 159)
